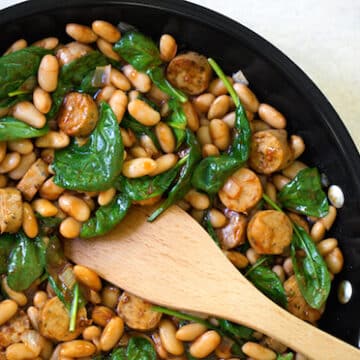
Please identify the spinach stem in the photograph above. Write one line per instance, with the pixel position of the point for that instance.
(74, 308)
(271, 203)
(225, 80)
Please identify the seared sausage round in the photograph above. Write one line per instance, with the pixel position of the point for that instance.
(54, 321)
(241, 191)
(189, 72)
(71, 51)
(137, 313)
(269, 151)
(297, 305)
(11, 210)
(269, 232)
(78, 114)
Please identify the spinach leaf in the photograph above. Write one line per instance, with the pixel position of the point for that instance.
(7, 243)
(304, 194)
(117, 354)
(86, 85)
(288, 356)
(234, 330)
(157, 75)
(147, 187)
(177, 121)
(17, 68)
(311, 272)
(138, 50)
(26, 262)
(268, 283)
(13, 129)
(213, 171)
(183, 184)
(72, 76)
(140, 348)
(128, 122)
(95, 165)
(106, 217)
(11, 101)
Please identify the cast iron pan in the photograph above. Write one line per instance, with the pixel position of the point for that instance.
(273, 77)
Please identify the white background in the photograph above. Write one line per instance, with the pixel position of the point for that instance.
(321, 36)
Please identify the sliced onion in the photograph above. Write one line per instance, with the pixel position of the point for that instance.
(239, 77)
(33, 340)
(101, 76)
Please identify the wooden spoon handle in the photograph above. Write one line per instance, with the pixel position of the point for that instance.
(268, 318)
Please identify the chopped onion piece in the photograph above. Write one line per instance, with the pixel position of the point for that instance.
(336, 196)
(101, 76)
(239, 77)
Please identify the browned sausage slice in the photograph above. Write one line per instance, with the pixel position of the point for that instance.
(137, 313)
(241, 191)
(269, 232)
(78, 114)
(11, 210)
(33, 179)
(269, 151)
(72, 51)
(297, 305)
(233, 234)
(54, 321)
(189, 72)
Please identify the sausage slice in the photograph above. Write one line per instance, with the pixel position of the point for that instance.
(241, 191)
(297, 305)
(137, 313)
(78, 114)
(269, 232)
(33, 179)
(54, 321)
(11, 210)
(269, 151)
(189, 72)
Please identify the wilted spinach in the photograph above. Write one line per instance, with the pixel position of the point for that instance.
(17, 69)
(268, 283)
(7, 243)
(304, 194)
(288, 356)
(236, 331)
(213, 171)
(72, 77)
(311, 271)
(177, 121)
(26, 262)
(140, 348)
(106, 217)
(95, 165)
(13, 129)
(183, 183)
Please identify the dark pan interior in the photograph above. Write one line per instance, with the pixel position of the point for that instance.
(273, 77)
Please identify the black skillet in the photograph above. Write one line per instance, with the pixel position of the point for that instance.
(273, 77)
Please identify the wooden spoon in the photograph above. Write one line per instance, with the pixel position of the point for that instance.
(173, 262)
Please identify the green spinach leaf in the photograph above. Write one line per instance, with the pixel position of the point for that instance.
(72, 77)
(268, 283)
(183, 183)
(311, 272)
(304, 194)
(140, 348)
(213, 171)
(26, 262)
(95, 165)
(138, 50)
(234, 330)
(288, 356)
(7, 243)
(106, 217)
(117, 354)
(17, 68)
(13, 129)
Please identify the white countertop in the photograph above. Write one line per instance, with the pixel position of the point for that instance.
(322, 37)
